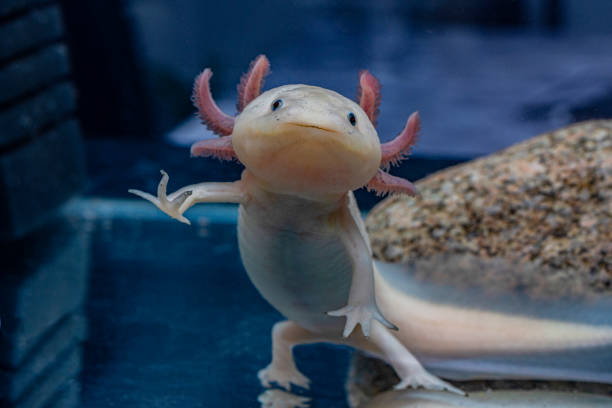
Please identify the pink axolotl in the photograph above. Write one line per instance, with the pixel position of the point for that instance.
(304, 245)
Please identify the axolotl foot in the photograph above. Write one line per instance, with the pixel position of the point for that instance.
(408, 368)
(283, 375)
(362, 315)
(381, 343)
(282, 370)
(427, 381)
(170, 205)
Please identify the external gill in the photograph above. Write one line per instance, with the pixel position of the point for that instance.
(215, 119)
(369, 97)
(249, 88)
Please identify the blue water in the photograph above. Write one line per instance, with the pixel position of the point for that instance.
(174, 320)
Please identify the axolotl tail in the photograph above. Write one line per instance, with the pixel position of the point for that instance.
(464, 322)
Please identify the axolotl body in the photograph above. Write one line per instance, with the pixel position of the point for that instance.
(304, 245)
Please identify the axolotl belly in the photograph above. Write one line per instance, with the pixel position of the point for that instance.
(296, 260)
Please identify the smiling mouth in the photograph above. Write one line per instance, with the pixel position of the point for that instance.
(306, 125)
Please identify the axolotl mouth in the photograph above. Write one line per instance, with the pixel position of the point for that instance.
(307, 125)
(309, 143)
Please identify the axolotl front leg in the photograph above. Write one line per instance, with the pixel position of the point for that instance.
(181, 200)
(361, 305)
(376, 339)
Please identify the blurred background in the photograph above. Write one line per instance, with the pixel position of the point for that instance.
(95, 99)
(486, 73)
(483, 74)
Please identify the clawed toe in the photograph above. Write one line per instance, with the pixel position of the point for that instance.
(428, 382)
(146, 196)
(362, 315)
(173, 207)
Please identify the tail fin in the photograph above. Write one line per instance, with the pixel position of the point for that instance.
(587, 364)
(471, 318)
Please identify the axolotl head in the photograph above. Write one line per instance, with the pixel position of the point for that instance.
(304, 140)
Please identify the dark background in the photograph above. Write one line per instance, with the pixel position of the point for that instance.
(483, 74)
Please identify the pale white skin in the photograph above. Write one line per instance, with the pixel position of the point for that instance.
(305, 248)
(301, 237)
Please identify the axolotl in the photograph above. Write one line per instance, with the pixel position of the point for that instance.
(304, 245)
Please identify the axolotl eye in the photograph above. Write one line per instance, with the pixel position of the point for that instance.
(352, 119)
(277, 104)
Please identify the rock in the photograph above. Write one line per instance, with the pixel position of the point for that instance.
(488, 399)
(544, 206)
(545, 202)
